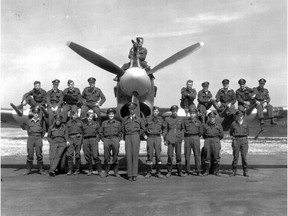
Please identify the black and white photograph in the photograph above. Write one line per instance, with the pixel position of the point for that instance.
(132, 107)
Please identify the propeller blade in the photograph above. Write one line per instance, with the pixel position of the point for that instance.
(96, 59)
(177, 56)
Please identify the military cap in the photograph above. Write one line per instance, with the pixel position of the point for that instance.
(241, 109)
(239, 113)
(36, 110)
(174, 107)
(205, 84)
(242, 81)
(111, 110)
(155, 108)
(192, 110)
(58, 117)
(132, 105)
(37, 82)
(91, 80)
(138, 39)
(212, 114)
(225, 81)
(56, 81)
(70, 81)
(262, 80)
(189, 81)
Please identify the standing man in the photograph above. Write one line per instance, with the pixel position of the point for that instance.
(36, 130)
(205, 101)
(132, 127)
(54, 101)
(154, 131)
(93, 98)
(262, 99)
(75, 131)
(227, 98)
(245, 96)
(188, 95)
(111, 134)
(173, 137)
(212, 134)
(71, 98)
(239, 131)
(58, 140)
(90, 144)
(193, 130)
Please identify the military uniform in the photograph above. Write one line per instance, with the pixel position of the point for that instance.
(91, 97)
(239, 131)
(90, 145)
(35, 97)
(193, 130)
(75, 131)
(205, 101)
(226, 97)
(188, 95)
(36, 130)
(54, 99)
(173, 136)
(263, 98)
(110, 133)
(57, 137)
(72, 99)
(132, 127)
(154, 130)
(244, 96)
(212, 134)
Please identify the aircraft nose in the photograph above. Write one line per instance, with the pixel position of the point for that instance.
(135, 80)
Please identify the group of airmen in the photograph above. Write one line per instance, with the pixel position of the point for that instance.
(67, 132)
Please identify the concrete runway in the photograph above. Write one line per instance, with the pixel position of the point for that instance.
(263, 193)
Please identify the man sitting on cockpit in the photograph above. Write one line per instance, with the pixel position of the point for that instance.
(137, 56)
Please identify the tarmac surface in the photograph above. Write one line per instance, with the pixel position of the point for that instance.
(263, 193)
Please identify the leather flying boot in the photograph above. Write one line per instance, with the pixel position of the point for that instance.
(29, 165)
(169, 169)
(234, 173)
(149, 170)
(158, 171)
(272, 122)
(116, 168)
(89, 167)
(179, 170)
(100, 171)
(40, 168)
(216, 169)
(245, 172)
(107, 168)
(70, 168)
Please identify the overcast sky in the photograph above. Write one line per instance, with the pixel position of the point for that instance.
(243, 39)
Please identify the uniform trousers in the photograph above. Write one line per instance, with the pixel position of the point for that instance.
(170, 153)
(153, 143)
(212, 147)
(240, 145)
(132, 146)
(260, 109)
(75, 145)
(56, 152)
(192, 142)
(85, 108)
(111, 144)
(37, 143)
(91, 151)
(66, 108)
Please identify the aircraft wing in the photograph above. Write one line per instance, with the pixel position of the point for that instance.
(7, 119)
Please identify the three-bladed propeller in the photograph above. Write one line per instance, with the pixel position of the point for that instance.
(109, 66)
(96, 59)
